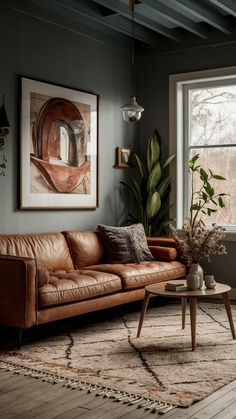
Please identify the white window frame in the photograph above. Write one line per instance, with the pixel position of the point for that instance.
(177, 132)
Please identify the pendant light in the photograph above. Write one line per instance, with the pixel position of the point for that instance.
(131, 110)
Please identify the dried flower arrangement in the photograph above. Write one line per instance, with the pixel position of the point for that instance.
(198, 241)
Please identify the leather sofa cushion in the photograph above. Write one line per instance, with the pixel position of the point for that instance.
(49, 249)
(136, 275)
(163, 253)
(161, 241)
(86, 247)
(42, 277)
(68, 287)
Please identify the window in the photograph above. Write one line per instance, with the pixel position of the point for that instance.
(203, 121)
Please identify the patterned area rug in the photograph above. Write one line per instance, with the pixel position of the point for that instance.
(159, 365)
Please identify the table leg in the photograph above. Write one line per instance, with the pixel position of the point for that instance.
(193, 318)
(143, 312)
(229, 312)
(184, 303)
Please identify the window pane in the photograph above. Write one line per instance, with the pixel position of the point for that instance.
(212, 115)
(221, 161)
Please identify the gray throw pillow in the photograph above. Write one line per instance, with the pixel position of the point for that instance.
(125, 244)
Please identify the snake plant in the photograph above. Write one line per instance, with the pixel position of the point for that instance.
(150, 193)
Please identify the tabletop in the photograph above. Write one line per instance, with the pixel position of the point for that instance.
(159, 289)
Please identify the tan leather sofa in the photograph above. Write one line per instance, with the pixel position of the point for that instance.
(50, 276)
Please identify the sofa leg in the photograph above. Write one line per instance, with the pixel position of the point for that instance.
(19, 338)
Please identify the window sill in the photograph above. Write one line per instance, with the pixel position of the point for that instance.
(230, 236)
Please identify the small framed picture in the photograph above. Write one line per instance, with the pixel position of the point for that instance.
(123, 157)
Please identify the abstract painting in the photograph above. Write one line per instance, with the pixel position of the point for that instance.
(58, 146)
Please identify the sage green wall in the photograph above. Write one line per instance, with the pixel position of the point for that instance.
(40, 50)
(154, 74)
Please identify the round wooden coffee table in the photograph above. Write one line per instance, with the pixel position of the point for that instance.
(191, 296)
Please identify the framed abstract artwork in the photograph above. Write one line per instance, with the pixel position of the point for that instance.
(59, 143)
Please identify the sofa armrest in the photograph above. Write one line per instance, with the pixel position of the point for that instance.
(163, 253)
(18, 291)
(161, 241)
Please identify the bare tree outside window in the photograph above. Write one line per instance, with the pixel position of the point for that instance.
(212, 134)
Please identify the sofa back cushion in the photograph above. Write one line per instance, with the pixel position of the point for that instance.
(86, 248)
(49, 249)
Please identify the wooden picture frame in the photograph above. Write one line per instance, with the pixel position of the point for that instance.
(59, 143)
(123, 157)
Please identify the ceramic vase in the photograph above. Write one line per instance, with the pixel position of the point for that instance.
(193, 282)
(196, 269)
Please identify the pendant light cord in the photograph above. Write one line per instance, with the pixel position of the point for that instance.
(133, 66)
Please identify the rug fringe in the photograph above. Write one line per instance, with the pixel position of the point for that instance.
(120, 396)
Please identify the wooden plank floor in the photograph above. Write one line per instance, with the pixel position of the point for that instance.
(26, 398)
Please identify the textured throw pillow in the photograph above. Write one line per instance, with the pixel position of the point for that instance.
(125, 244)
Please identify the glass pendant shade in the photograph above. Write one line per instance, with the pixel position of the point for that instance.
(131, 110)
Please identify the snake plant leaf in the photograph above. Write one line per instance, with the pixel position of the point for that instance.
(141, 165)
(132, 218)
(133, 192)
(136, 189)
(154, 177)
(164, 210)
(160, 215)
(143, 189)
(168, 161)
(163, 187)
(128, 188)
(150, 192)
(153, 204)
(153, 150)
(165, 223)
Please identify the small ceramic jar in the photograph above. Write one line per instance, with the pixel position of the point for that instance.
(209, 281)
